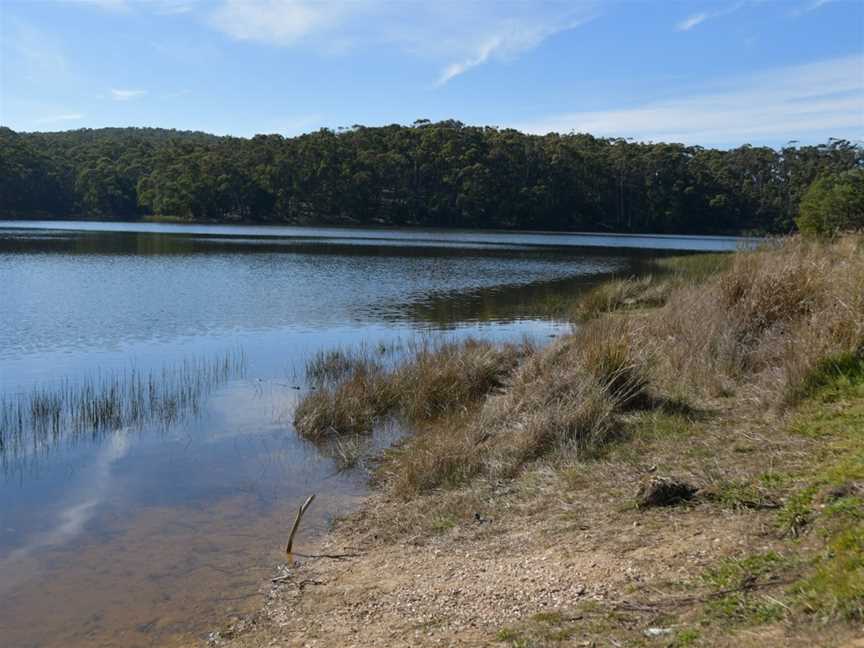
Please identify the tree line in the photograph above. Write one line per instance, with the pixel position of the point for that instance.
(443, 174)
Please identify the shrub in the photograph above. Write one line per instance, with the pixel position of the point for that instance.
(833, 203)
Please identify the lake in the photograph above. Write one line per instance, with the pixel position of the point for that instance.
(152, 531)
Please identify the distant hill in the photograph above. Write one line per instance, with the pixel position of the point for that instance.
(443, 174)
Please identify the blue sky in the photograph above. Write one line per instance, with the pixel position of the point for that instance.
(710, 73)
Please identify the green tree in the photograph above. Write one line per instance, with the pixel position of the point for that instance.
(833, 203)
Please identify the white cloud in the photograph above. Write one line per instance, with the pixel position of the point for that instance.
(107, 5)
(162, 7)
(811, 5)
(298, 124)
(33, 51)
(689, 23)
(60, 118)
(805, 102)
(174, 7)
(280, 22)
(458, 36)
(508, 35)
(126, 95)
(698, 18)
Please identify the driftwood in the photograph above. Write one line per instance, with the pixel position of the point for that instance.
(296, 525)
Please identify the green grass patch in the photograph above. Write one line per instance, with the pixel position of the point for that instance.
(797, 512)
(733, 573)
(830, 502)
(696, 267)
(833, 377)
(746, 609)
(739, 582)
(739, 494)
(686, 637)
(836, 589)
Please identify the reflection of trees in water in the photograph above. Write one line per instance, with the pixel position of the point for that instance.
(540, 299)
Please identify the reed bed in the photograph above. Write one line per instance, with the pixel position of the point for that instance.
(98, 404)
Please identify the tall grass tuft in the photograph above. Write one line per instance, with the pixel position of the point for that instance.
(351, 392)
(767, 321)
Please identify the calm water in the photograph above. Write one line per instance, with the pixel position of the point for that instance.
(150, 536)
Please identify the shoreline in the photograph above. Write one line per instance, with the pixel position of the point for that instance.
(582, 545)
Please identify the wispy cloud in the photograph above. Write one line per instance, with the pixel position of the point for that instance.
(107, 5)
(281, 22)
(806, 102)
(298, 124)
(126, 95)
(507, 36)
(174, 7)
(698, 18)
(810, 5)
(689, 23)
(162, 7)
(457, 36)
(33, 51)
(60, 118)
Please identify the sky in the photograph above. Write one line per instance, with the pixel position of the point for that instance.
(709, 73)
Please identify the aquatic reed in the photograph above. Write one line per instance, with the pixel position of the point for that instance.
(34, 421)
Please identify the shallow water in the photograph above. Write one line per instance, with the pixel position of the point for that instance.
(151, 535)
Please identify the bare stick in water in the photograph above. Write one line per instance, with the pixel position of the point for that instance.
(296, 525)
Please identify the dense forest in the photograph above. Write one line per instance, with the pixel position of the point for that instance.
(442, 174)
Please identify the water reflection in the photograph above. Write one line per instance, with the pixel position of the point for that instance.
(149, 535)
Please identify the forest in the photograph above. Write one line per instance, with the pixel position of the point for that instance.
(443, 174)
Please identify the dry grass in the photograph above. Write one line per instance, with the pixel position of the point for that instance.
(764, 324)
(436, 380)
(649, 291)
(353, 391)
(565, 398)
(542, 460)
(620, 294)
(348, 406)
(562, 399)
(767, 321)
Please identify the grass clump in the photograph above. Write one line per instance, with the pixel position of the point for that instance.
(740, 494)
(739, 573)
(831, 373)
(565, 398)
(352, 392)
(650, 291)
(349, 406)
(443, 453)
(618, 294)
(438, 380)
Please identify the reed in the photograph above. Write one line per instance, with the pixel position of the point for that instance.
(35, 421)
